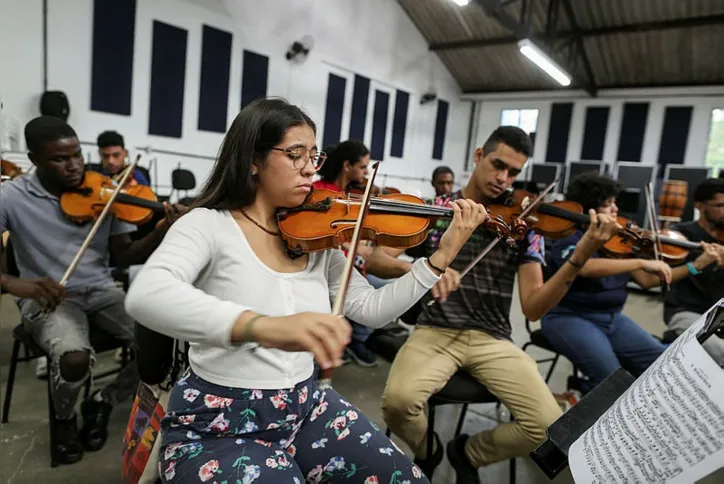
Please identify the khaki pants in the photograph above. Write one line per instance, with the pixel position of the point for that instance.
(432, 355)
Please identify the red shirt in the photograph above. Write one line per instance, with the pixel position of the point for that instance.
(327, 185)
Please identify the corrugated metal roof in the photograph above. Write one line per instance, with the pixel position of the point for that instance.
(628, 42)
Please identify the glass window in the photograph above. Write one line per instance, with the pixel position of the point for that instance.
(525, 119)
(715, 150)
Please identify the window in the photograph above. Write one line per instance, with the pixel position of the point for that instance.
(715, 150)
(525, 119)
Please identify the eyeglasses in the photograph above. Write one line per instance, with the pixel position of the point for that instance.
(301, 156)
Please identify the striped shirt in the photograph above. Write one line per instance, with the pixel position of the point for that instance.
(483, 300)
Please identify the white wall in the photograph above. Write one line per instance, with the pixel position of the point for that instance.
(374, 38)
(703, 100)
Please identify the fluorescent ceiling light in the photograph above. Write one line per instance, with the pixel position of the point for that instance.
(462, 3)
(539, 58)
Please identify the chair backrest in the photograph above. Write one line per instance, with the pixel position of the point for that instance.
(145, 173)
(182, 179)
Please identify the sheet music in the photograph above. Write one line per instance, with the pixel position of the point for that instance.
(667, 427)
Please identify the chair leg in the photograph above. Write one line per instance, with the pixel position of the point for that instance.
(512, 471)
(553, 366)
(526, 345)
(430, 433)
(461, 420)
(388, 432)
(11, 380)
(52, 426)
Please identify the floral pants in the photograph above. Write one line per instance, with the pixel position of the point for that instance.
(303, 434)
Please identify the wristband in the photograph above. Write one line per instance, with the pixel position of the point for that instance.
(247, 327)
(575, 264)
(692, 270)
(435, 267)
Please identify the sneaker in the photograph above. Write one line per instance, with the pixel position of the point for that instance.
(68, 447)
(361, 354)
(465, 472)
(41, 368)
(428, 466)
(95, 423)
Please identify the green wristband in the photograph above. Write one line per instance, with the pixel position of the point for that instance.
(249, 324)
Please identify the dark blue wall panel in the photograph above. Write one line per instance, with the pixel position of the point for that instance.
(333, 111)
(214, 83)
(594, 133)
(399, 124)
(379, 125)
(168, 71)
(559, 131)
(675, 134)
(440, 129)
(254, 78)
(114, 25)
(633, 129)
(360, 97)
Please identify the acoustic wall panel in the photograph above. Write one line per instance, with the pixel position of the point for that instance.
(214, 82)
(168, 74)
(333, 111)
(559, 131)
(633, 129)
(594, 132)
(675, 134)
(360, 97)
(379, 125)
(399, 124)
(254, 77)
(112, 56)
(443, 107)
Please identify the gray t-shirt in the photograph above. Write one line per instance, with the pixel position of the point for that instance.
(45, 241)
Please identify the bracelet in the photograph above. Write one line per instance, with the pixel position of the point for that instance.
(692, 270)
(575, 264)
(247, 327)
(435, 267)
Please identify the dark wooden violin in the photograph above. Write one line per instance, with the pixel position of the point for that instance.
(327, 219)
(134, 204)
(559, 219)
(9, 170)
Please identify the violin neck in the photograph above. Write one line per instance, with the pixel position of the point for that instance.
(579, 218)
(684, 244)
(139, 202)
(381, 205)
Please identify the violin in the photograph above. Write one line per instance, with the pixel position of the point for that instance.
(135, 204)
(357, 188)
(9, 170)
(560, 219)
(327, 219)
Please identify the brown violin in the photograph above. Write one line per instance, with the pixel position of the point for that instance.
(9, 170)
(327, 219)
(134, 204)
(560, 219)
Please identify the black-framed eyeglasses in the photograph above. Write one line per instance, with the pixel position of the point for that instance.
(300, 156)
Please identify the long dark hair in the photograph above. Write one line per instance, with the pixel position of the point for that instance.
(351, 150)
(260, 126)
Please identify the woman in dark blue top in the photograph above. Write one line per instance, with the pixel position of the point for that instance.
(587, 326)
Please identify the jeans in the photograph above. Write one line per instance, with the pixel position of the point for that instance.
(360, 332)
(67, 329)
(600, 343)
(290, 435)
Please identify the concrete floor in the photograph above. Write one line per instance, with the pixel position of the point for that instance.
(24, 445)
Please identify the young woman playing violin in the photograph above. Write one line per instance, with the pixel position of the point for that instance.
(45, 242)
(257, 319)
(587, 325)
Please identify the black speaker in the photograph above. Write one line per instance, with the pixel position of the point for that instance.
(55, 103)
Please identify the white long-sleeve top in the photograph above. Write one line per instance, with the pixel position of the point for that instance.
(205, 274)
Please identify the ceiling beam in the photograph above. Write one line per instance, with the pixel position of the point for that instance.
(581, 48)
(594, 32)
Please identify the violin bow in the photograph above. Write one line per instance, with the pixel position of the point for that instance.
(96, 225)
(538, 200)
(326, 378)
(655, 228)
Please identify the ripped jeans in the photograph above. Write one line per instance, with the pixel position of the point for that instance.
(67, 329)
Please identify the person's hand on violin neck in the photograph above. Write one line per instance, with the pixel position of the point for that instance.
(600, 231)
(46, 292)
(324, 335)
(711, 254)
(467, 216)
(173, 211)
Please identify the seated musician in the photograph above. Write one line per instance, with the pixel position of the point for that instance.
(469, 329)
(44, 243)
(443, 180)
(691, 297)
(249, 406)
(587, 326)
(114, 157)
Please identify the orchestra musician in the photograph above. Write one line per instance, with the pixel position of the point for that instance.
(587, 326)
(443, 180)
(689, 298)
(469, 328)
(44, 243)
(258, 318)
(114, 157)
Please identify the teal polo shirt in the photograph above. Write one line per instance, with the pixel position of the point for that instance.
(45, 241)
